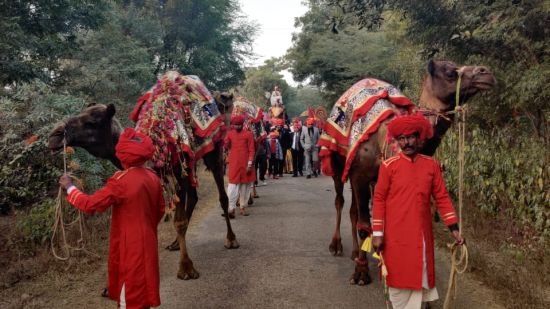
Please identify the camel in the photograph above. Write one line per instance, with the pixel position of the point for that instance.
(97, 131)
(437, 101)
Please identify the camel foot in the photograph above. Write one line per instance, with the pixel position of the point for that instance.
(188, 273)
(360, 276)
(231, 244)
(336, 247)
(174, 246)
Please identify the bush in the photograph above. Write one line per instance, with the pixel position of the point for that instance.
(506, 174)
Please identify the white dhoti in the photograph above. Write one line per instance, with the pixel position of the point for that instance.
(234, 191)
(413, 299)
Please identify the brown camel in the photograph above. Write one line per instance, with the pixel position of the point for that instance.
(437, 100)
(97, 130)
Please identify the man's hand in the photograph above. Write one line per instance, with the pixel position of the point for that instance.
(377, 243)
(459, 239)
(65, 181)
(249, 167)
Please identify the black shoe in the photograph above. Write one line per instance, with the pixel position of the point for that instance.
(301, 174)
(315, 174)
(308, 176)
(294, 175)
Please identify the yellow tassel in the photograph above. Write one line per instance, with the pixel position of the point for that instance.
(376, 256)
(367, 244)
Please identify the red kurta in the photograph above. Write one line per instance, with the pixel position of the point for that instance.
(241, 150)
(402, 211)
(138, 206)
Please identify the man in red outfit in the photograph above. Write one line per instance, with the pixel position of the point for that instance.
(240, 144)
(402, 225)
(135, 195)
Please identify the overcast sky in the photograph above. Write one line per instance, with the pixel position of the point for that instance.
(276, 21)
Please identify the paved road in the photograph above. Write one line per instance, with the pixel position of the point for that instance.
(283, 261)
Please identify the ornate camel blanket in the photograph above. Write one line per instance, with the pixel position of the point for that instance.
(253, 119)
(357, 115)
(181, 117)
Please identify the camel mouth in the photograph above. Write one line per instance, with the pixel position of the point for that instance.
(483, 85)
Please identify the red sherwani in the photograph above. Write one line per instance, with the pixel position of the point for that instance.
(138, 206)
(402, 211)
(241, 150)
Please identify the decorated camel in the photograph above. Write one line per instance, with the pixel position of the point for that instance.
(186, 124)
(354, 141)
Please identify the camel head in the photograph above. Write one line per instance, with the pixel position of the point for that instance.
(95, 129)
(439, 87)
(224, 101)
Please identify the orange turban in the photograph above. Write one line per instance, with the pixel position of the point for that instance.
(310, 121)
(134, 148)
(406, 125)
(237, 119)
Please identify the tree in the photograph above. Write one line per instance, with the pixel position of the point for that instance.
(335, 61)
(34, 35)
(261, 80)
(208, 38)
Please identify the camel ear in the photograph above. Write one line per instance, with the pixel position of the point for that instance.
(111, 110)
(431, 67)
(227, 96)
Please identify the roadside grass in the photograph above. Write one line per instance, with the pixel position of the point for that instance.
(506, 258)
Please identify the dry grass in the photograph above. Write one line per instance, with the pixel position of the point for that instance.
(505, 259)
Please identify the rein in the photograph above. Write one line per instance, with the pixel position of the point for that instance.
(459, 254)
(61, 208)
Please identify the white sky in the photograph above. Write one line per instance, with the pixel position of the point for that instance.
(276, 21)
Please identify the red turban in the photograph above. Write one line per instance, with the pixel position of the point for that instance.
(310, 121)
(237, 120)
(278, 122)
(406, 125)
(134, 148)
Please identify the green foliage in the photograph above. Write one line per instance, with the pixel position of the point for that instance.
(36, 34)
(506, 174)
(306, 96)
(336, 61)
(36, 226)
(29, 171)
(261, 80)
(208, 38)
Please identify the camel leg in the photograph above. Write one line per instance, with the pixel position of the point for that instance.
(360, 220)
(335, 246)
(188, 200)
(353, 219)
(214, 162)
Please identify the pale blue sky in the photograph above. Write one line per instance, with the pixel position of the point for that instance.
(276, 21)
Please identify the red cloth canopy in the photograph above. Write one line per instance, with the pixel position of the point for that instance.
(406, 125)
(134, 148)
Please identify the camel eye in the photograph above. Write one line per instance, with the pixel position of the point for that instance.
(452, 74)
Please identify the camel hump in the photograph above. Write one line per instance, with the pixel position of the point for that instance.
(390, 160)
